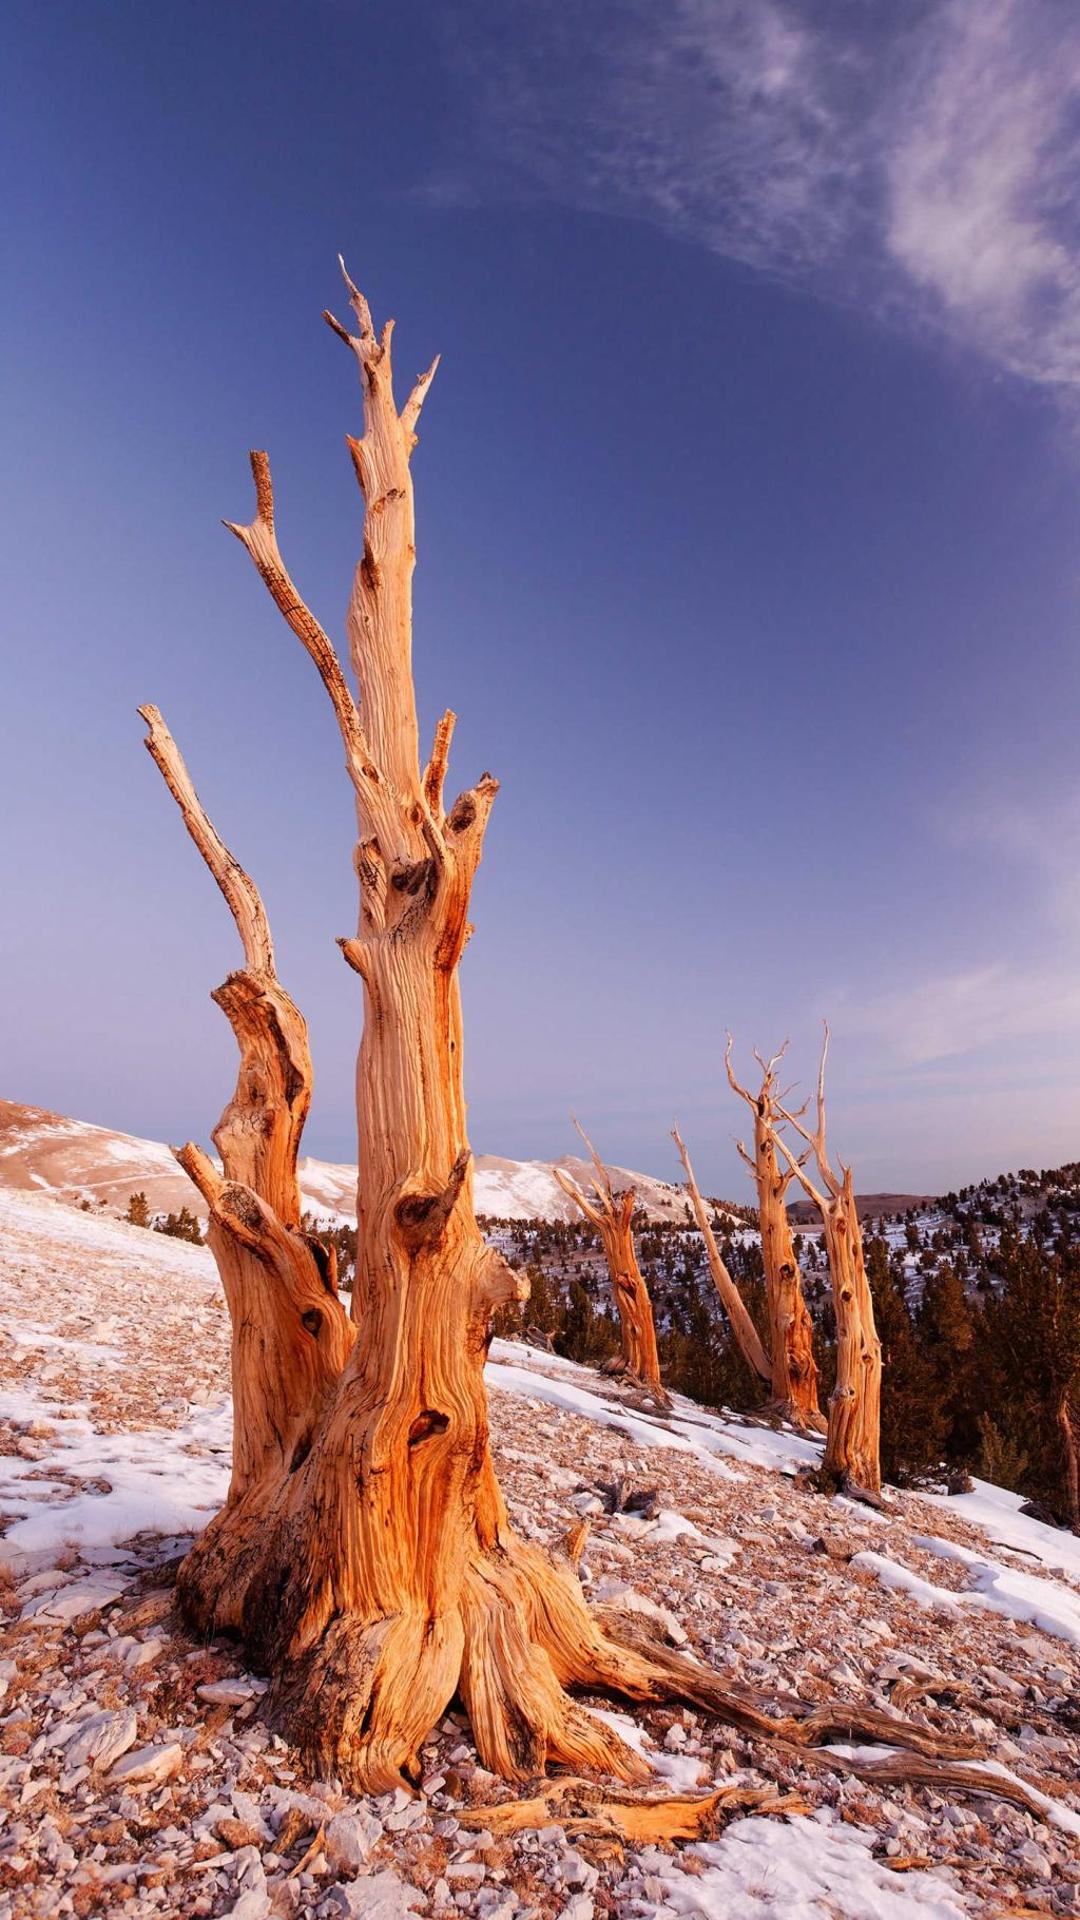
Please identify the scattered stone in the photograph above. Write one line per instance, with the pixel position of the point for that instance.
(350, 1838)
(148, 1766)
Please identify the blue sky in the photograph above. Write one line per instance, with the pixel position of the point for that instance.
(748, 536)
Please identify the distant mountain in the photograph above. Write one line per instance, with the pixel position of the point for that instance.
(75, 1161)
(869, 1206)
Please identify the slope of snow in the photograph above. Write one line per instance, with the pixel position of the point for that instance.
(1048, 1604)
(76, 1161)
(101, 1450)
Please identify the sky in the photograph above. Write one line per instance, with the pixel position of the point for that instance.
(747, 535)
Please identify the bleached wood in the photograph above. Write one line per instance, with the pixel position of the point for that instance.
(743, 1330)
(612, 1216)
(791, 1332)
(853, 1445)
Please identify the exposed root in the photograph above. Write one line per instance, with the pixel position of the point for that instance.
(361, 1696)
(587, 1811)
(522, 1717)
(911, 1770)
(629, 1660)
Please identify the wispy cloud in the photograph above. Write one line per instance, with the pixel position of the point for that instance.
(920, 160)
(984, 183)
(943, 1016)
(1029, 987)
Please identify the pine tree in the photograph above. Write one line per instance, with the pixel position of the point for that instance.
(138, 1210)
(1028, 1353)
(946, 1335)
(181, 1226)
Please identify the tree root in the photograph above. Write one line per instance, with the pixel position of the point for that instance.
(912, 1770)
(631, 1661)
(587, 1811)
(359, 1696)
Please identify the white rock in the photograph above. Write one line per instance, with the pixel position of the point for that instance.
(619, 1594)
(350, 1838)
(148, 1766)
(252, 1905)
(227, 1693)
(579, 1908)
(1035, 1860)
(102, 1739)
(81, 1596)
(380, 1897)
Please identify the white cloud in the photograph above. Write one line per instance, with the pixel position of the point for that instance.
(942, 1016)
(984, 182)
(920, 160)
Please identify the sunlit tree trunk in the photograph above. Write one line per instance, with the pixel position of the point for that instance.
(853, 1445)
(791, 1330)
(745, 1334)
(612, 1216)
(364, 1556)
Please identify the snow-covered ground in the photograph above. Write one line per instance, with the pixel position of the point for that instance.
(114, 1401)
(75, 1160)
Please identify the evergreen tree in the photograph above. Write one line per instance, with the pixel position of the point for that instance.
(1028, 1351)
(586, 1336)
(946, 1334)
(138, 1210)
(181, 1226)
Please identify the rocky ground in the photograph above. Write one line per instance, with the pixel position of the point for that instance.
(137, 1776)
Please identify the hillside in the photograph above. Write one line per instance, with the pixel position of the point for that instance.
(134, 1760)
(75, 1160)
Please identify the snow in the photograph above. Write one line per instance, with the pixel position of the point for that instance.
(688, 1428)
(168, 1481)
(998, 1513)
(804, 1868)
(680, 1772)
(37, 1216)
(1017, 1594)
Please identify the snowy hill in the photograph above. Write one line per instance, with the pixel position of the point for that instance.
(133, 1760)
(74, 1160)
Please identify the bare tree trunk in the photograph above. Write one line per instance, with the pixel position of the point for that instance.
(612, 1216)
(290, 1334)
(791, 1330)
(364, 1554)
(743, 1330)
(853, 1446)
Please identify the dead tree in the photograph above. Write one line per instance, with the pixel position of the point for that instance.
(853, 1445)
(290, 1334)
(791, 1330)
(612, 1216)
(745, 1334)
(364, 1555)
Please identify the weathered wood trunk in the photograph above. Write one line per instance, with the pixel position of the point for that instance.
(853, 1443)
(290, 1334)
(791, 1330)
(853, 1446)
(364, 1555)
(612, 1215)
(745, 1334)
